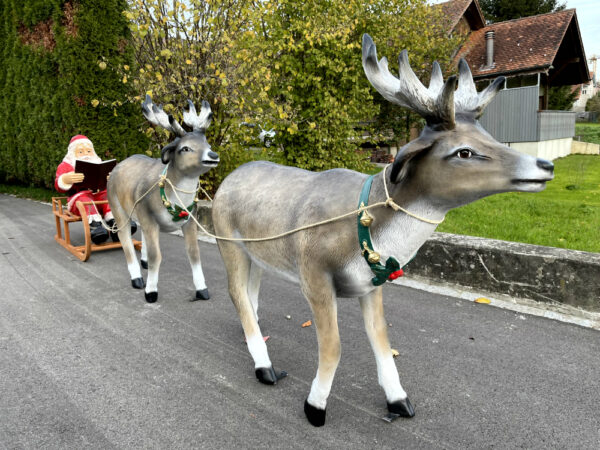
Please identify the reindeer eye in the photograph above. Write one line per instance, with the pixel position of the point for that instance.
(464, 153)
(185, 149)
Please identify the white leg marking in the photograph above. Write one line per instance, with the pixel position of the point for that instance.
(388, 378)
(152, 281)
(319, 391)
(198, 276)
(258, 350)
(376, 328)
(134, 270)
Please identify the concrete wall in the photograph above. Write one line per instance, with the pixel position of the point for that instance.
(550, 150)
(585, 148)
(545, 274)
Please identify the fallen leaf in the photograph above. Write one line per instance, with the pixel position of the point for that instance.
(308, 323)
(483, 300)
(395, 353)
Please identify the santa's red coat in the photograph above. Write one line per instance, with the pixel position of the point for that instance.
(75, 194)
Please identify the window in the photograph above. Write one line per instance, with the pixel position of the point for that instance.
(522, 81)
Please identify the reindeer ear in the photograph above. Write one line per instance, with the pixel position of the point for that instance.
(167, 151)
(404, 159)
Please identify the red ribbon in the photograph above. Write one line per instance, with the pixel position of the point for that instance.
(396, 274)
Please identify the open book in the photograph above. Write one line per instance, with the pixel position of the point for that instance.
(95, 174)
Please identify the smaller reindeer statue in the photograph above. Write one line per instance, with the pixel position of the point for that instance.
(453, 162)
(133, 189)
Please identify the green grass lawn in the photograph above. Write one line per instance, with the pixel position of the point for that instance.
(588, 132)
(35, 193)
(566, 214)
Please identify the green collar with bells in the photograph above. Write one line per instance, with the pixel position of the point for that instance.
(177, 212)
(392, 269)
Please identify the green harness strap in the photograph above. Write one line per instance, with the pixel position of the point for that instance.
(177, 212)
(392, 269)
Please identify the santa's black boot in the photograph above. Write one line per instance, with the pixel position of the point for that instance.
(98, 233)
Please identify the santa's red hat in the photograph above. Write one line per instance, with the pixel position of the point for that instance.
(78, 140)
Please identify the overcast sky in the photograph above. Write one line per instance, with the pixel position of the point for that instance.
(588, 16)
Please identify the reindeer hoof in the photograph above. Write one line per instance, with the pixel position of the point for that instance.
(402, 407)
(138, 283)
(202, 294)
(267, 375)
(151, 297)
(144, 264)
(315, 416)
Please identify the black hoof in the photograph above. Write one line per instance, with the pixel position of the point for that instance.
(315, 416)
(138, 283)
(151, 297)
(202, 294)
(402, 407)
(267, 375)
(144, 264)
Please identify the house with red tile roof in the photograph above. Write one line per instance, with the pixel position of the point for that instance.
(533, 53)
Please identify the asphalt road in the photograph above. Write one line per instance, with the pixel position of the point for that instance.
(85, 362)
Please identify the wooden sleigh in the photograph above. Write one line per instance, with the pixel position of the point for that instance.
(62, 214)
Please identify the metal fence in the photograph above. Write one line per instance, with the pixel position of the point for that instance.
(555, 124)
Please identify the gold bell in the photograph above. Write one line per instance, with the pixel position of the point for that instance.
(167, 204)
(366, 219)
(161, 184)
(374, 257)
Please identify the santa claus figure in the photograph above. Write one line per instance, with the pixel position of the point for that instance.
(81, 148)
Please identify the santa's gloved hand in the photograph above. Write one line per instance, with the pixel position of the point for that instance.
(72, 177)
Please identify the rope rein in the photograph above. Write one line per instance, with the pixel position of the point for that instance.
(389, 202)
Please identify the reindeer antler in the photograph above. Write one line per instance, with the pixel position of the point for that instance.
(438, 103)
(198, 122)
(157, 116)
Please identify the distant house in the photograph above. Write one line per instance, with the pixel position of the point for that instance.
(586, 91)
(533, 53)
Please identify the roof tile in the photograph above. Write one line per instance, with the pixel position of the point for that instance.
(519, 45)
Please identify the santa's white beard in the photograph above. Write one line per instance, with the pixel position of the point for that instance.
(69, 159)
(89, 158)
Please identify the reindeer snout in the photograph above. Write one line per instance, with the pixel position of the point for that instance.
(546, 165)
(210, 158)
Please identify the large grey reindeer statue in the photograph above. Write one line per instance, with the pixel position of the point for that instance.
(133, 189)
(453, 162)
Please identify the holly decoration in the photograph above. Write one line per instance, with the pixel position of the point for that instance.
(389, 272)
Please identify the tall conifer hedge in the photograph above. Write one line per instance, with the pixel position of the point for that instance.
(56, 80)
